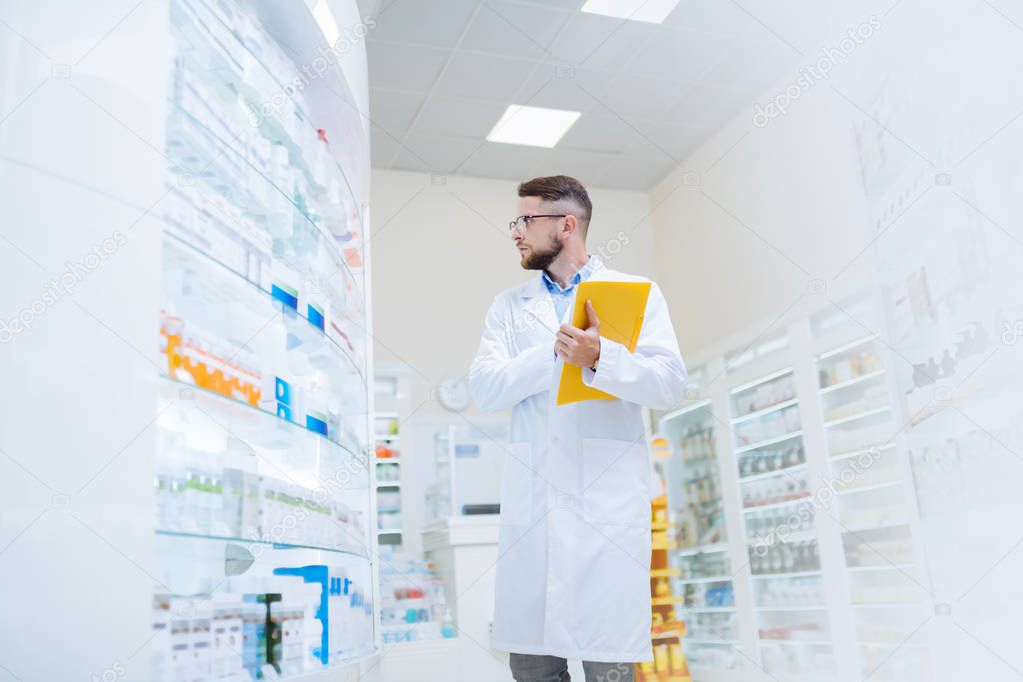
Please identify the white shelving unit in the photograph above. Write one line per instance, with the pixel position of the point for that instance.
(702, 567)
(392, 401)
(219, 347)
(825, 570)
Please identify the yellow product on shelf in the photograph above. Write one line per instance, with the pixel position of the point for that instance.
(678, 659)
(661, 658)
(669, 664)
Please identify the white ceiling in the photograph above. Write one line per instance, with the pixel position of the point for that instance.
(441, 72)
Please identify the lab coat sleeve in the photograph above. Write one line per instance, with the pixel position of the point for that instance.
(499, 380)
(654, 375)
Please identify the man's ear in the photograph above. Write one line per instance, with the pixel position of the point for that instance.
(571, 224)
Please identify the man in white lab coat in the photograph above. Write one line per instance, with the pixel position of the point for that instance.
(573, 578)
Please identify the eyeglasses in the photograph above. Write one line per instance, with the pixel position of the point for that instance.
(522, 222)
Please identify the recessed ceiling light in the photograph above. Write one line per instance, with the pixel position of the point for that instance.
(533, 126)
(650, 11)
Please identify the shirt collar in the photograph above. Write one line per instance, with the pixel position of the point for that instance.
(581, 276)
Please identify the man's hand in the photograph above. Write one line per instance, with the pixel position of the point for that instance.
(580, 347)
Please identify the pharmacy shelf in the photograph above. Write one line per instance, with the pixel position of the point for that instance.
(184, 163)
(776, 505)
(772, 539)
(771, 474)
(258, 97)
(792, 609)
(389, 531)
(713, 579)
(253, 423)
(844, 348)
(881, 567)
(762, 380)
(852, 382)
(885, 525)
(295, 322)
(666, 601)
(868, 488)
(707, 609)
(864, 451)
(791, 574)
(765, 411)
(665, 572)
(265, 543)
(856, 417)
(688, 409)
(710, 640)
(769, 441)
(702, 549)
(794, 642)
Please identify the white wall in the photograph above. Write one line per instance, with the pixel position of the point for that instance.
(754, 216)
(441, 252)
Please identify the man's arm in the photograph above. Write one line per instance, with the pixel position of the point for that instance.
(496, 379)
(654, 375)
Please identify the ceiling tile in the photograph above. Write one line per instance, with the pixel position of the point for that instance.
(458, 116)
(678, 55)
(434, 154)
(483, 76)
(562, 87)
(638, 97)
(393, 110)
(514, 29)
(423, 23)
(593, 132)
(494, 159)
(587, 166)
(404, 67)
(597, 42)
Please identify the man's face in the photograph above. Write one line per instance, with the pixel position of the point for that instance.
(541, 242)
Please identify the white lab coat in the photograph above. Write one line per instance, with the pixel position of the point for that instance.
(573, 573)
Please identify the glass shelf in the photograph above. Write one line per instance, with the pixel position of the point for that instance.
(219, 328)
(297, 323)
(257, 426)
(257, 541)
(191, 155)
(239, 68)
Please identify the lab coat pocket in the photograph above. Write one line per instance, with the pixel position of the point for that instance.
(615, 486)
(516, 484)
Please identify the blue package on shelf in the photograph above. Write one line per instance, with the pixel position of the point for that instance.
(285, 294)
(318, 575)
(315, 316)
(317, 422)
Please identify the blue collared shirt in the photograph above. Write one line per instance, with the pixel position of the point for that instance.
(563, 296)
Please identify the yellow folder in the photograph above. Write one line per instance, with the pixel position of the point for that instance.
(620, 307)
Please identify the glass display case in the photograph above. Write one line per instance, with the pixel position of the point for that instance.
(702, 569)
(264, 498)
(873, 500)
(791, 626)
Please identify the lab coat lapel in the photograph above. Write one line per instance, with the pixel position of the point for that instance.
(538, 306)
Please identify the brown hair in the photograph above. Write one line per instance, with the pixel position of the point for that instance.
(556, 188)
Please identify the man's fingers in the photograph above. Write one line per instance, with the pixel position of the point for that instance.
(569, 330)
(564, 337)
(591, 316)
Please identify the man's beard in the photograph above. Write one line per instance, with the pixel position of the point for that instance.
(541, 260)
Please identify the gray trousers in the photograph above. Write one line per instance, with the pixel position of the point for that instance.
(530, 668)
